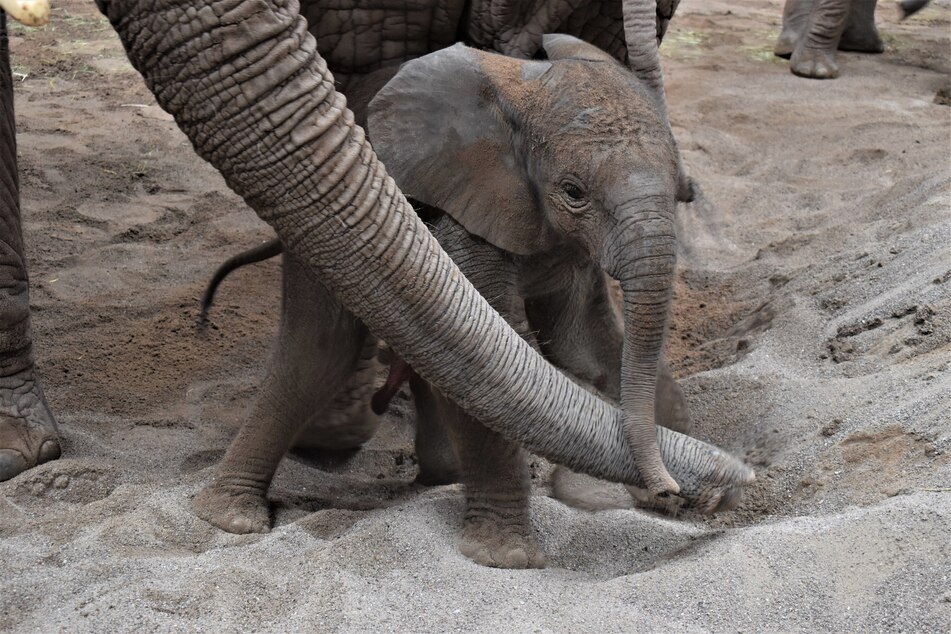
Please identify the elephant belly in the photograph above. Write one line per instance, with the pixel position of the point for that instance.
(516, 27)
(357, 37)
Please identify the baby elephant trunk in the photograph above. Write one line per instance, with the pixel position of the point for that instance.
(642, 257)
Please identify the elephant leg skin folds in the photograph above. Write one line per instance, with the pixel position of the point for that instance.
(28, 434)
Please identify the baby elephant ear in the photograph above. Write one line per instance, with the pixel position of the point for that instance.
(441, 128)
(559, 46)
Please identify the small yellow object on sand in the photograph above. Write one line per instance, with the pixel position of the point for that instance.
(28, 12)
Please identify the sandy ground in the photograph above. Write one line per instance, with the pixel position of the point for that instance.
(812, 328)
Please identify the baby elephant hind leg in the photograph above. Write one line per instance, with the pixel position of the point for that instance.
(438, 463)
(349, 421)
(319, 346)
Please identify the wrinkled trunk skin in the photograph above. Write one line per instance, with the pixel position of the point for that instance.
(244, 81)
(641, 257)
(644, 26)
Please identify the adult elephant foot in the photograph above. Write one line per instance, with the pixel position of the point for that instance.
(862, 42)
(500, 542)
(233, 508)
(795, 24)
(28, 435)
(788, 38)
(860, 34)
(814, 63)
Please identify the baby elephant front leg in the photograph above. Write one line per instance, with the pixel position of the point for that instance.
(496, 530)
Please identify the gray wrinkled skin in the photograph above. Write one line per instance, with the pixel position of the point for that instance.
(28, 434)
(540, 267)
(814, 29)
(353, 51)
(245, 81)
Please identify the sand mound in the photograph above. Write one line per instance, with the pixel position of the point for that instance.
(812, 328)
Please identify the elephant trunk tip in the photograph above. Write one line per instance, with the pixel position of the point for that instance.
(750, 476)
(737, 473)
(661, 484)
(727, 496)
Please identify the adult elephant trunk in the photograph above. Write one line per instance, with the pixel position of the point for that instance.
(244, 81)
(641, 257)
(645, 23)
(644, 26)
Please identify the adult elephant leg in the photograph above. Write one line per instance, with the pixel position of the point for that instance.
(796, 14)
(860, 34)
(814, 56)
(28, 434)
(318, 348)
(244, 81)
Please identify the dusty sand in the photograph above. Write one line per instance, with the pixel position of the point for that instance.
(813, 329)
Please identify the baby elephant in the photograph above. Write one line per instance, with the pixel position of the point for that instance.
(540, 178)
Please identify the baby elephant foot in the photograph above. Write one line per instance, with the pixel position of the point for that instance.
(796, 16)
(233, 509)
(814, 63)
(499, 543)
(28, 435)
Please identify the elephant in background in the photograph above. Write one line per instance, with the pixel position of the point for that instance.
(28, 434)
(814, 29)
(535, 176)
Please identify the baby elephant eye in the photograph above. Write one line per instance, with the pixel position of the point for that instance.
(573, 191)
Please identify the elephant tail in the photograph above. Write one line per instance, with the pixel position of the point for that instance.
(907, 8)
(259, 253)
(400, 372)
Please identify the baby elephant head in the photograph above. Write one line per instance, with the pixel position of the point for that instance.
(567, 153)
